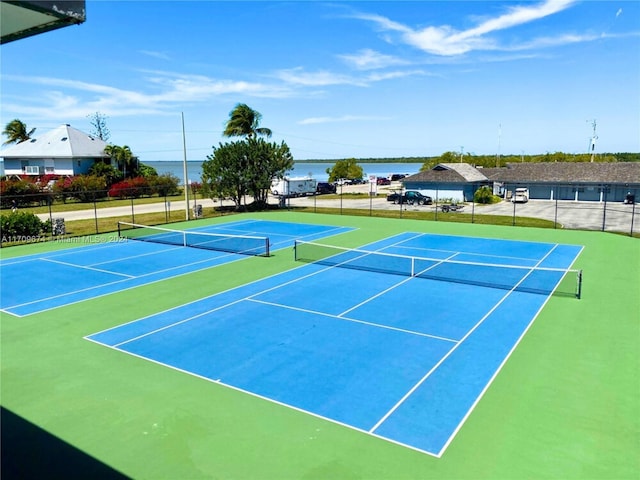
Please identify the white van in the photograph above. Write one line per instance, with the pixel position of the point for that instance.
(521, 195)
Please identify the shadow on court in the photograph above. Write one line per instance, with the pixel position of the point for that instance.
(30, 452)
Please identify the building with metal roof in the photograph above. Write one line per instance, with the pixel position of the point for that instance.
(61, 151)
(578, 181)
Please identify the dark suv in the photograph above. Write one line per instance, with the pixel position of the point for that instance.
(324, 187)
(410, 197)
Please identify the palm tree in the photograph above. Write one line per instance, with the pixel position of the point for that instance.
(16, 132)
(123, 157)
(244, 122)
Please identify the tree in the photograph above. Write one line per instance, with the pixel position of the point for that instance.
(245, 122)
(242, 168)
(124, 158)
(16, 132)
(267, 161)
(347, 168)
(99, 123)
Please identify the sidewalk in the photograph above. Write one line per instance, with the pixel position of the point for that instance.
(90, 214)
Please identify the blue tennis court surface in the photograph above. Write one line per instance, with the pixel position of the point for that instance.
(403, 358)
(41, 282)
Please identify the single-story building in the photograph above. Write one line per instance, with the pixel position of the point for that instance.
(577, 181)
(451, 181)
(61, 151)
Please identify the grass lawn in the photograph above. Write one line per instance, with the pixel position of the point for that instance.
(566, 404)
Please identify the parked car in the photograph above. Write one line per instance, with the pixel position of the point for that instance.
(521, 195)
(410, 197)
(344, 181)
(325, 187)
(383, 181)
(397, 176)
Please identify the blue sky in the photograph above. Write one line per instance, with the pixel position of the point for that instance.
(339, 79)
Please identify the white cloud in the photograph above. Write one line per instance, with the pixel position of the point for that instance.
(445, 40)
(158, 93)
(154, 54)
(322, 78)
(368, 59)
(298, 77)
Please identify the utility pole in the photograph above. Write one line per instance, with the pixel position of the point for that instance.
(592, 142)
(499, 141)
(184, 171)
(461, 153)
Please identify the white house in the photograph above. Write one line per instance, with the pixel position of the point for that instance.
(61, 151)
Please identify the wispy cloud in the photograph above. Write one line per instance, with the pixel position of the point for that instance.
(368, 59)
(446, 40)
(341, 119)
(158, 93)
(299, 77)
(154, 54)
(320, 78)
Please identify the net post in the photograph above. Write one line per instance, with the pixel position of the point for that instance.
(119, 234)
(266, 247)
(579, 292)
(295, 250)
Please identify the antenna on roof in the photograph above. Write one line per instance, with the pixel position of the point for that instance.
(592, 142)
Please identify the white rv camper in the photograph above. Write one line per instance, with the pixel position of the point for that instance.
(293, 187)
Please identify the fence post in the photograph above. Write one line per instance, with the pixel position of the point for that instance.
(95, 212)
(633, 215)
(555, 217)
(604, 212)
(473, 202)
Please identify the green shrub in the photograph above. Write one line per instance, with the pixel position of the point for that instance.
(485, 195)
(22, 225)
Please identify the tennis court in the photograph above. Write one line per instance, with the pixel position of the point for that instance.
(74, 275)
(398, 339)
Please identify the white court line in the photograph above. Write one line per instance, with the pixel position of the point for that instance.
(275, 287)
(471, 253)
(473, 406)
(85, 267)
(448, 354)
(74, 292)
(397, 285)
(141, 255)
(354, 320)
(262, 397)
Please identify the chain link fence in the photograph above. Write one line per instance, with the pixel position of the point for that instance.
(98, 213)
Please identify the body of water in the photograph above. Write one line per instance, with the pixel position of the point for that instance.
(316, 170)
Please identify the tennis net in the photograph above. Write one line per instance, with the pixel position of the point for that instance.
(242, 244)
(541, 280)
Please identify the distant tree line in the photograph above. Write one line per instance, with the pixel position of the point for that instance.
(495, 160)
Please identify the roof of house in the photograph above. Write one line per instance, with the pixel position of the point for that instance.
(567, 172)
(561, 172)
(61, 142)
(449, 173)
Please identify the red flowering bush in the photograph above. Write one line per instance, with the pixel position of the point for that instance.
(130, 188)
